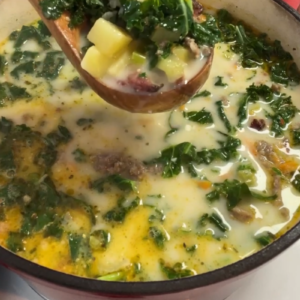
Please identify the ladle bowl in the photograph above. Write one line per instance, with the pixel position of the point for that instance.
(68, 40)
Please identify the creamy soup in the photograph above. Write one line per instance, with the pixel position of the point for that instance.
(94, 191)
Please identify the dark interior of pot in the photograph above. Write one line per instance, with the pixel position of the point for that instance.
(97, 199)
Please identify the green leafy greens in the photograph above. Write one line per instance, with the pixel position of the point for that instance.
(234, 192)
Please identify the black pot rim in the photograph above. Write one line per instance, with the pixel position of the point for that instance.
(157, 287)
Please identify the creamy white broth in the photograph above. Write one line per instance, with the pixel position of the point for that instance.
(183, 202)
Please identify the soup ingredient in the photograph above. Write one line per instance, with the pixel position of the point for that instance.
(95, 62)
(108, 38)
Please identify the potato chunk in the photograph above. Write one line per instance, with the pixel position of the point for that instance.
(95, 63)
(108, 38)
(120, 63)
(172, 66)
(182, 53)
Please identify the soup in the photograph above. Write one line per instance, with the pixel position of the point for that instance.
(93, 191)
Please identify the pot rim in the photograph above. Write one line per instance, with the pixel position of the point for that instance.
(245, 265)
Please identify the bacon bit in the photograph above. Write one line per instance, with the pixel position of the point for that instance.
(205, 185)
(258, 124)
(197, 8)
(282, 122)
(141, 84)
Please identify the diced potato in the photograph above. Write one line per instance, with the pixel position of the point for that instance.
(172, 66)
(120, 63)
(138, 58)
(182, 53)
(108, 38)
(95, 63)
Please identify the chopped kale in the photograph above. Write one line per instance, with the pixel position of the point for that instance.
(265, 238)
(14, 35)
(172, 128)
(99, 239)
(54, 229)
(61, 136)
(19, 56)
(84, 122)
(213, 219)
(79, 155)
(295, 135)
(29, 67)
(31, 33)
(228, 30)
(117, 180)
(14, 242)
(218, 222)
(119, 213)
(201, 117)
(186, 155)
(258, 51)
(158, 215)
(176, 157)
(10, 93)
(191, 249)
(223, 117)
(79, 246)
(3, 64)
(284, 112)
(77, 84)
(234, 192)
(202, 94)
(52, 65)
(220, 82)
(281, 104)
(179, 270)
(158, 236)
(296, 182)
(207, 32)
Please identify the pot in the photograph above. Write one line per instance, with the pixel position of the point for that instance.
(281, 22)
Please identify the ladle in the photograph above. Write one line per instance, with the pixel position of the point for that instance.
(69, 39)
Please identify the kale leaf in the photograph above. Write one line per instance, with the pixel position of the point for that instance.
(234, 192)
(3, 64)
(118, 213)
(223, 117)
(265, 238)
(295, 135)
(296, 182)
(10, 93)
(120, 182)
(201, 117)
(185, 155)
(178, 270)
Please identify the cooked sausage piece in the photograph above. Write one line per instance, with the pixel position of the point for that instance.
(242, 215)
(142, 84)
(197, 8)
(118, 163)
(258, 124)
